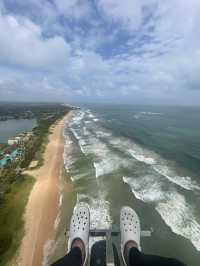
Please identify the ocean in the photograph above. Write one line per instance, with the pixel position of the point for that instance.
(146, 157)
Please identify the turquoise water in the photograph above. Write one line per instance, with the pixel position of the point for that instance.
(11, 128)
(145, 157)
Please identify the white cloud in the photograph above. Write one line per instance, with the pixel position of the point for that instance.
(160, 61)
(22, 43)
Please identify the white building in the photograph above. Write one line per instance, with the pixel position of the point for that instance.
(21, 138)
(12, 141)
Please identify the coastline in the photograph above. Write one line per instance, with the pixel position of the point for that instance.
(43, 203)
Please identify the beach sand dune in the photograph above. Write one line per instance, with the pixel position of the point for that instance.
(43, 203)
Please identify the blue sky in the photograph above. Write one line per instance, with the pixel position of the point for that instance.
(130, 51)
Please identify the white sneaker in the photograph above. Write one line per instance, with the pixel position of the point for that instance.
(80, 227)
(129, 228)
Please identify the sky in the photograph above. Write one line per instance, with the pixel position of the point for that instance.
(113, 51)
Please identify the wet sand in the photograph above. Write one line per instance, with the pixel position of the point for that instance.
(43, 204)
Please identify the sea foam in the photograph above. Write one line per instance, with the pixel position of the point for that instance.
(170, 204)
(183, 181)
(105, 162)
(141, 157)
(105, 166)
(99, 213)
(99, 210)
(159, 165)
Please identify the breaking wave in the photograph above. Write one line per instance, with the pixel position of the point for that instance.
(99, 213)
(170, 204)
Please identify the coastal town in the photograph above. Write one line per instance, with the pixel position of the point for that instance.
(19, 150)
(14, 151)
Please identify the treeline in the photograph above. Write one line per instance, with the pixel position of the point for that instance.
(29, 110)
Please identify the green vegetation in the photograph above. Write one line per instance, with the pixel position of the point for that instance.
(8, 175)
(11, 213)
(30, 110)
(35, 147)
(14, 186)
(40, 151)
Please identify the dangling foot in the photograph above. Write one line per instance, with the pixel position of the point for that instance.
(130, 232)
(128, 246)
(79, 230)
(79, 244)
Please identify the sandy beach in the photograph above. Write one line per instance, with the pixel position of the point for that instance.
(43, 203)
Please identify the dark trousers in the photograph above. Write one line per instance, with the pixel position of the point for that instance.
(73, 258)
(136, 258)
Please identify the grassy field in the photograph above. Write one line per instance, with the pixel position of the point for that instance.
(11, 217)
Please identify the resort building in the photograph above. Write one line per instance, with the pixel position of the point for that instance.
(12, 141)
(11, 156)
(15, 150)
(21, 138)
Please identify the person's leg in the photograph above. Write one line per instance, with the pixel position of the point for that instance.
(137, 258)
(130, 243)
(73, 258)
(130, 231)
(78, 238)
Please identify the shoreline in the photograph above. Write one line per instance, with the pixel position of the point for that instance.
(43, 203)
